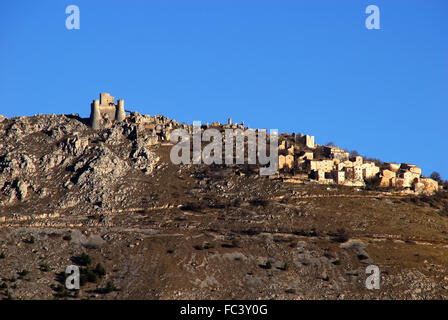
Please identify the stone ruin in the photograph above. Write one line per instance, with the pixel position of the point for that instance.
(333, 165)
(300, 157)
(104, 111)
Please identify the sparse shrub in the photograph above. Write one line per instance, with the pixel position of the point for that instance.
(30, 240)
(4, 285)
(208, 246)
(442, 183)
(44, 267)
(8, 295)
(218, 205)
(2, 255)
(305, 233)
(266, 266)
(438, 200)
(87, 275)
(170, 251)
(234, 244)
(285, 267)
(91, 276)
(250, 232)
(436, 176)
(372, 183)
(259, 202)
(328, 255)
(340, 236)
(354, 154)
(444, 212)
(362, 257)
(192, 206)
(61, 277)
(378, 162)
(59, 288)
(67, 237)
(110, 286)
(100, 270)
(204, 246)
(83, 259)
(61, 291)
(82, 278)
(23, 273)
(236, 203)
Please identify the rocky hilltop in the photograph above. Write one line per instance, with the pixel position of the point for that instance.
(61, 161)
(110, 200)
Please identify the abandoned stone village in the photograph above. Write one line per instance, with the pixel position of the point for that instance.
(105, 186)
(300, 160)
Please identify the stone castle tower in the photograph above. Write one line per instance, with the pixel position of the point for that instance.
(106, 109)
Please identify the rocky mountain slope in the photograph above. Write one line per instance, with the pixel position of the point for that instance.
(140, 227)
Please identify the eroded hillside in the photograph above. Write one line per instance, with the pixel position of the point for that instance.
(74, 195)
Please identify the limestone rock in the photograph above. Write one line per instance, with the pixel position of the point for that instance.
(75, 146)
(49, 161)
(430, 185)
(143, 158)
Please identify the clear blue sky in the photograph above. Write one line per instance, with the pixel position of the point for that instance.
(298, 66)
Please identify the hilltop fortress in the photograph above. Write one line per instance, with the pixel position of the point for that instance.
(105, 110)
(300, 159)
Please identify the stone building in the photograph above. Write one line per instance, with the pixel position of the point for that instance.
(388, 178)
(336, 153)
(334, 166)
(306, 140)
(105, 110)
(369, 169)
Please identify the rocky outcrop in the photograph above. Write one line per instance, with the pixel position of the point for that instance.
(75, 146)
(62, 158)
(143, 158)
